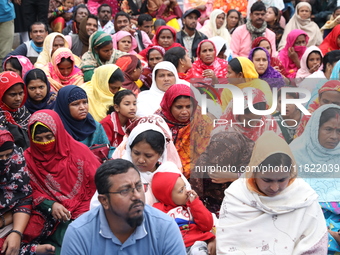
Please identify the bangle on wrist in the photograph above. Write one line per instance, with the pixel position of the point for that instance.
(16, 231)
(3, 221)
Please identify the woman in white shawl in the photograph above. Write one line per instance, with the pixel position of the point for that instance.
(164, 75)
(216, 26)
(301, 20)
(317, 153)
(270, 211)
(221, 44)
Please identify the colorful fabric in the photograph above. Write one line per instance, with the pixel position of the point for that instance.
(128, 65)
(119, 36)
(98, 92)
(289, 64)
(25, 63)
(47, 102)
(271, 76)
(78, 129)
(226, 5)
(219, 66)
(331, 211)
(56, 79)
(330, 42)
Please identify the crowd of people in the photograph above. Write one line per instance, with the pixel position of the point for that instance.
(147, 127)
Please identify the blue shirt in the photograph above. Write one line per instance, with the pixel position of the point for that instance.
(6, 10)
(90, 234)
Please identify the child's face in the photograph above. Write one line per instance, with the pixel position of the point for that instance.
(179, 193)
(69, 3)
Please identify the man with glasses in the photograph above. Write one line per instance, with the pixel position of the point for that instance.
(122, 223)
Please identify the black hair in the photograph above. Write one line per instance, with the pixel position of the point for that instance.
(110, 168)
(261, 106)
(14, 63)
(143, 17)
(174, 54)
(103, 45)
(77, 8)
(223, 49)
(117, 99)
(180, 97)
(39, 129)
(328, 114)
(331, 57)
(233, 10)
(276, 159)
(92, 16)
(235, 65)
(275, 10)
(336, 8)
(291, 94)
(258, 49)
(121, 13)
(158, 23)
(117, 75)
(258, 6)
(104, 5)
(35, 74)
(38, 23)
(314, 51)
(66, 59)
(153, 138)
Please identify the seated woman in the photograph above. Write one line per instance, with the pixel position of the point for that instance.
(331, 23)
(242, 73)
(223, 51)
(62, 71)
(16, 195)
(120, 116)
(263, 202)
(53, 156)
(73, 109)
(318, 146)
(132, 68)
(190, 129)
(207, 64)
(154, 55)
(261, 59)
(14, 115)
(302, 20)
(39, 94)
(101, 52)
(181, 60)
(18, 64)
(217, 26)
(291, 54)
(51, 43)
(234, 19)
(330, 43)
(125, 42)
(106, 81)
(272, 18)
(164, 75)
(311, 63)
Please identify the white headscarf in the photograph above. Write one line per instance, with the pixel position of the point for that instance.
(148, 102)
(219, 43)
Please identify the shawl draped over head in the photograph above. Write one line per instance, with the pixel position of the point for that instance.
(78, 129)
(15, 189)
(128, 64)
(119, 36)
(148, 102)
(98, 92)
(245, 211)
(303, 72)
(219, 66)
(219, 42)
(69, 160)
(83, 36)
(7, 80)
(307, 151)
(330, 42)
(308, 26)
(284, 56)
(45, 56)
(48, 101)
(273, 77)
(25, 63)
(210, 29)
(53, 74)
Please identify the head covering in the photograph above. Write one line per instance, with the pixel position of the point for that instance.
(69, 160)
(78, 129)
(210, 29)
(219, 42)
(25, 63)
(128, 64)
(15, 188)
(248, 69)
(54, 76)
(308, 150)
(98, 92)
(188, 12)
(335, 75)
(119, 36)
(303, 72)
(308, 26)
(83, 36)
(330, 24)
(48, 101)
(330, 42)
(149, 101)
(273, 77)
(283, 54)
(158, 33)
(160, 49)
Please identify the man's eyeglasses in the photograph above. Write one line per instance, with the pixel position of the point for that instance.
(127, 191)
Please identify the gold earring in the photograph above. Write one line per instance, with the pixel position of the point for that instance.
(182, 65)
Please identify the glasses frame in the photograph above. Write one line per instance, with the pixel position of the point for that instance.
(130, 190)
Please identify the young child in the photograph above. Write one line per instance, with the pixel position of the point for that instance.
(193, 219)
(60, 19)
